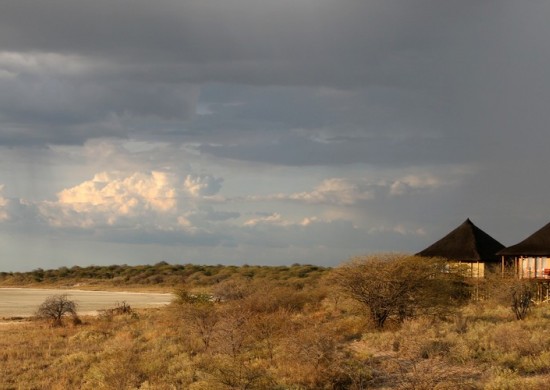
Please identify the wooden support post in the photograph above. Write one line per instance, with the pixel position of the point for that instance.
(477, 280)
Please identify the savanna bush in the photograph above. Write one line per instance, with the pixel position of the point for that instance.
(397, 286)
(55, 307)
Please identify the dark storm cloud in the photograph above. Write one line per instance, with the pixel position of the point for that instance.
(39, 104)
(235, 31)
(466, 73)
(472, 88)
(305, 42)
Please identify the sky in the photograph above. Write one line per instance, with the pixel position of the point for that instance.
(267, 132)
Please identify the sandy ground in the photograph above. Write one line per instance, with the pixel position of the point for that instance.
(23, 302)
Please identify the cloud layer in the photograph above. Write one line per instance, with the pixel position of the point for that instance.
(303, 130)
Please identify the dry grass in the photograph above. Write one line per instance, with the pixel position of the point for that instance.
(279, 335)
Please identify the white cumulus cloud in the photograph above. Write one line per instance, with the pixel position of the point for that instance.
(109, 197)
(412, 183)
(157, 200)
(122, 195)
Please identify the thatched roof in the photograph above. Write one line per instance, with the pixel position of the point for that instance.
(466, 243)
(537, 244)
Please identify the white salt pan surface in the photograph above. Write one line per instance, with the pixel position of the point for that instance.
(23, 302)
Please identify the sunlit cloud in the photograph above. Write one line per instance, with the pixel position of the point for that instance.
(34, 63)
(336, 191)
(272, 219)
(122, 195)
(110, 197)
(411, 183)
(3, 205)
(350, 192)
(202, 185)
(399, 228)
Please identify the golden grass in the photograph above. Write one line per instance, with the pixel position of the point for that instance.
(277, 335)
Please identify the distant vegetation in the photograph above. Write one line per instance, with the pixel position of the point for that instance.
(159, 276)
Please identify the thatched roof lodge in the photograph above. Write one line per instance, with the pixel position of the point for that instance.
(531, 257)
(467, 244)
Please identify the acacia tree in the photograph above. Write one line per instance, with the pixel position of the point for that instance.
(400, 286)
(55, 307)
(202, 319)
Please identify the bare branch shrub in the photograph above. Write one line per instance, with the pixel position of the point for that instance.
(121, 308)
(522, 295)
(201, 320)
(55, 307)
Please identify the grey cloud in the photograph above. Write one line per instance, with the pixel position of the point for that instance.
(327, 242)
(206, 215)
(26, 219)
(209, 31)
(44, 108)
(289, 43)
(138, 58)
(318, 233)
(214, 215)
(172, 238)
(295, 150)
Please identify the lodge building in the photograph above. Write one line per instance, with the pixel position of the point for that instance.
(529, 258)
(470, 247)
(477, 253)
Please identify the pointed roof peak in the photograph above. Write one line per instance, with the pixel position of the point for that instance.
(466, 243)
(537, 244)
(468, 222)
